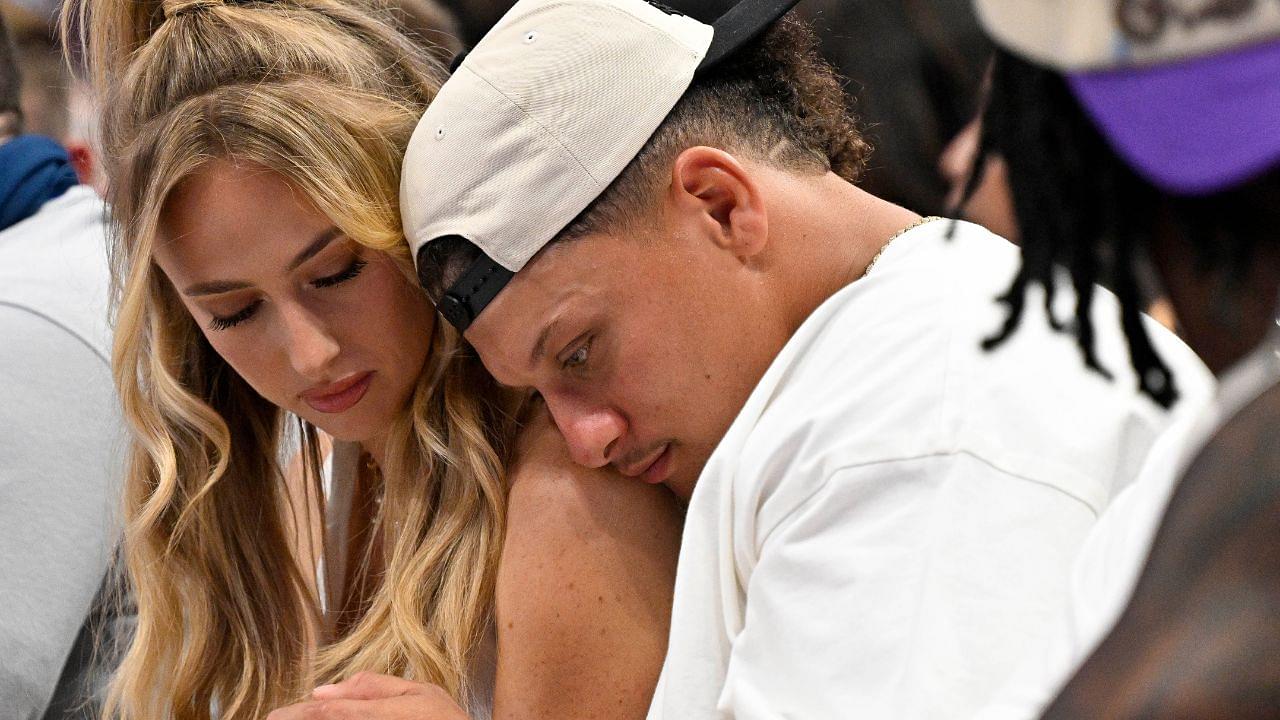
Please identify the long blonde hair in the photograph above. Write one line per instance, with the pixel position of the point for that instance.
(325, 94)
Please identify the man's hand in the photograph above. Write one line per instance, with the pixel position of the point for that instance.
(368, 696)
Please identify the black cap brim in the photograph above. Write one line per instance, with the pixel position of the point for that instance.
(741, 24)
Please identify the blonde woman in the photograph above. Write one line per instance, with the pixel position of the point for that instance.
(253, 153)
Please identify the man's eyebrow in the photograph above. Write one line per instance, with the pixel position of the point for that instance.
(217, 287)
(540, 347)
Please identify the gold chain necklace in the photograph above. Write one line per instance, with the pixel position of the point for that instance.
(895, 236)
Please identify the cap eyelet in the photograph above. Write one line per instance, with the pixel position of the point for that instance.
(531, 37)
(440, 133)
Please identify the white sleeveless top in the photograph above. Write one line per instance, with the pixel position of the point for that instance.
(338, 477)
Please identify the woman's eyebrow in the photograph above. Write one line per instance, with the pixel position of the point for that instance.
(320, 243)
(217, 287)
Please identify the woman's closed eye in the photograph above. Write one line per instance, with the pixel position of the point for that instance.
(350, 272)
(226, 322)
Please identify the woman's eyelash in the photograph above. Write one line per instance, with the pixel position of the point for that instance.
(226, 323)
(351, 271)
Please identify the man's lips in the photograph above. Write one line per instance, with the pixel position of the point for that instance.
(339, 396)
(653, 468)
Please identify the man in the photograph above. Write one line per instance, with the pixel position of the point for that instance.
(60, 424)
(651, 222)
(1157, 127)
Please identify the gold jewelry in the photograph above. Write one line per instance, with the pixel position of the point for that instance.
(895, 236)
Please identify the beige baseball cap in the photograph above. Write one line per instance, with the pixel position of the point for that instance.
(1077, 35)
(541, 116)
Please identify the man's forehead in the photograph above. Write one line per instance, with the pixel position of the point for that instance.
(545, 291)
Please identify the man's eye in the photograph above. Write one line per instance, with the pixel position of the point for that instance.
(230, 321)
(579, 357)
(351, 271)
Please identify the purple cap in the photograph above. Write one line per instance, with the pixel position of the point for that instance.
(1194, 127)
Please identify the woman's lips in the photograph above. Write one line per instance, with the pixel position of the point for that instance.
(340, 396)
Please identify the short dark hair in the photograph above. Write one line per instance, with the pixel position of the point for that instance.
(775, 101)
(1082, 208)
(10, 86)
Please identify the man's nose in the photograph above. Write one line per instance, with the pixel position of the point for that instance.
(312, 346)
(589, 430)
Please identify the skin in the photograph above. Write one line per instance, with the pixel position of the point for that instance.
(1199, 638)
(991, 204)
(645, 371)
(587, 570)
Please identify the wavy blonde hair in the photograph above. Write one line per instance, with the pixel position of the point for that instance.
(326, 94)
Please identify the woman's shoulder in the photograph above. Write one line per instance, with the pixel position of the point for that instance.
(584, 585)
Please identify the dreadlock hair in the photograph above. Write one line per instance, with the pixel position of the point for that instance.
(1083, 209)
(775, 101)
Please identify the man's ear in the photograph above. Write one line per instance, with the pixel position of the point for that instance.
(720, 198)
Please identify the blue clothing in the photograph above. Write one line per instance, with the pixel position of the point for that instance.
(33, 171)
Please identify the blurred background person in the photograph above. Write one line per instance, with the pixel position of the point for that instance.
(59, 427)
(56, 101)
(1142, 142)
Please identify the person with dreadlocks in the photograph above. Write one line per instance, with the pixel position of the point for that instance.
(1143, 143)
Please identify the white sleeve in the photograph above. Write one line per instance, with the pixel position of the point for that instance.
(903, 589)
(59, 452)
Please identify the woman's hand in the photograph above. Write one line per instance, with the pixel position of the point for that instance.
(368, 696)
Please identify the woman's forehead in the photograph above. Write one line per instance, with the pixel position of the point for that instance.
(231, 216)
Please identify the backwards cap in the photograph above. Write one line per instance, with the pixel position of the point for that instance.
(537, 121)
(1187, 92)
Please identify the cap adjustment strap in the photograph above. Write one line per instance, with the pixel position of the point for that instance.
(474, 290)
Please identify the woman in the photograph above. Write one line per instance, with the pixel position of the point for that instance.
(254, 152)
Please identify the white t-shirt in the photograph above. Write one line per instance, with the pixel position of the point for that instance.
(885, 528)
(60, 444)
(1106, 571)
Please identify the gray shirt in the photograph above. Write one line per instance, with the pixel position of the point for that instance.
(60, 452)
